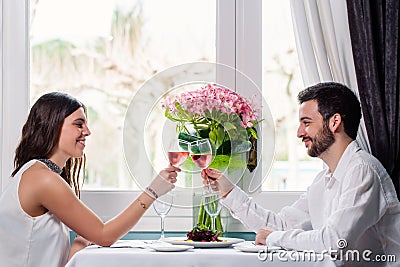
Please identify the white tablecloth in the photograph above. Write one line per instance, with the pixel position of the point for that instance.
(210, 257)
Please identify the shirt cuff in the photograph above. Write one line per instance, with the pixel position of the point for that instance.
(274, 238)
(234, 199)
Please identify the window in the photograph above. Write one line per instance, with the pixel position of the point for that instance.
(293, 169)
(151, 39)
(104, 57)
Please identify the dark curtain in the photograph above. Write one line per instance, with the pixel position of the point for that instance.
(374, 31)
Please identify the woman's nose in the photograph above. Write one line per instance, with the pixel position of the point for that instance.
(86, 131)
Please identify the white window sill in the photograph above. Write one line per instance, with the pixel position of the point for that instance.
(107, 204)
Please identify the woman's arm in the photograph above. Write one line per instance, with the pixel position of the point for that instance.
(56, 196)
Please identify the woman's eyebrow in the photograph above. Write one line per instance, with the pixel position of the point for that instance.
(80, 119)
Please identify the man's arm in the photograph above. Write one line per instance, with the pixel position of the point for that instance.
(254, 217)
(250, 213)
(360, 207)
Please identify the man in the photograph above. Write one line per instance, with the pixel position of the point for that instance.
(351, 204)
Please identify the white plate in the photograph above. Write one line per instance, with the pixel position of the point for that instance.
(256, 248)
(170, 248)
(226, 242)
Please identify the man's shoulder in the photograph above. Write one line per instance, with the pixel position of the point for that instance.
(381, 177)
(366, 159)
(370, 164)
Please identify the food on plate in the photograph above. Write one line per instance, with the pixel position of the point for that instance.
(203, 234)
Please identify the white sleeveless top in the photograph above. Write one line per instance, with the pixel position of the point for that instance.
(27, 241)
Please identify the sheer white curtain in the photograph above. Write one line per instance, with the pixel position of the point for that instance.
(324, 47)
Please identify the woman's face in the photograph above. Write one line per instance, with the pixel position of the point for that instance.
(73, 135)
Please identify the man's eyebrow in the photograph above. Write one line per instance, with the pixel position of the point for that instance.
(305, 118)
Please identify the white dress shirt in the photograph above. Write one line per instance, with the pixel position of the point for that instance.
(357, 203)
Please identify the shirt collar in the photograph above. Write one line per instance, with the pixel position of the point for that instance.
(341, 168)
(344, 161)
(329, 179)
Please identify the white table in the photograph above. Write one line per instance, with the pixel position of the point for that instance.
(210, 257)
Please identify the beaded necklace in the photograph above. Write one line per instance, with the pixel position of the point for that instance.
(52, 166)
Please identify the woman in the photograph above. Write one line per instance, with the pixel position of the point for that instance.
(41, 201)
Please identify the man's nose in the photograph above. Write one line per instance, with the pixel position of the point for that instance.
(300, 132)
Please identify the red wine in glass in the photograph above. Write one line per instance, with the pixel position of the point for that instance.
(202, 160)
(177, 158)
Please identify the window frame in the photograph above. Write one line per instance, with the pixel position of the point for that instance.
(14, 79)
(235, 46)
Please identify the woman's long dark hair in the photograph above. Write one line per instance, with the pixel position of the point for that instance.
(41, 133)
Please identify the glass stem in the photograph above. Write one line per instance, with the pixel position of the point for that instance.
(162, 236)
(209, 186)
(212, 222)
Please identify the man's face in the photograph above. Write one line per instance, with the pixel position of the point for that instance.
(313, 131)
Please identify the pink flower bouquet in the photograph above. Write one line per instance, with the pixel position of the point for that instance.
(217, 113)
(226, 118)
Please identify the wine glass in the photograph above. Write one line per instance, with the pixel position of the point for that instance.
(201, 154)
(162, 205)
(212, 205)
(178, 152)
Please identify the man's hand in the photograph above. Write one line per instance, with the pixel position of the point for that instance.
(217, 181)
(262, 235)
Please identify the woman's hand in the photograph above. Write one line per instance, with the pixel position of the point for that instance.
(78, 244)
(164, 182)
(217, 181)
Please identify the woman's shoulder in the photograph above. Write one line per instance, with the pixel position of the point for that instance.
(36, 182)
(40, 179)
(39, 173)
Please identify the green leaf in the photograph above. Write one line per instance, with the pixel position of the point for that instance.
(200, 217)
(169, 115)
(188, 137)
(234, 161)
(183, 113)
(242, 147)
(218, 224)
(229, 126)
(213, 136)
(252, 132)
(220, 135)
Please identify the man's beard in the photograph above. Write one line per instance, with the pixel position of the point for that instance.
(321, 141)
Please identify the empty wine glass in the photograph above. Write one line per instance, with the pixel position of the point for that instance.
(212, 205)
(178, 152)
(162, 205)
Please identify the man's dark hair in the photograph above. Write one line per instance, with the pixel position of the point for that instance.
(334, 98)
